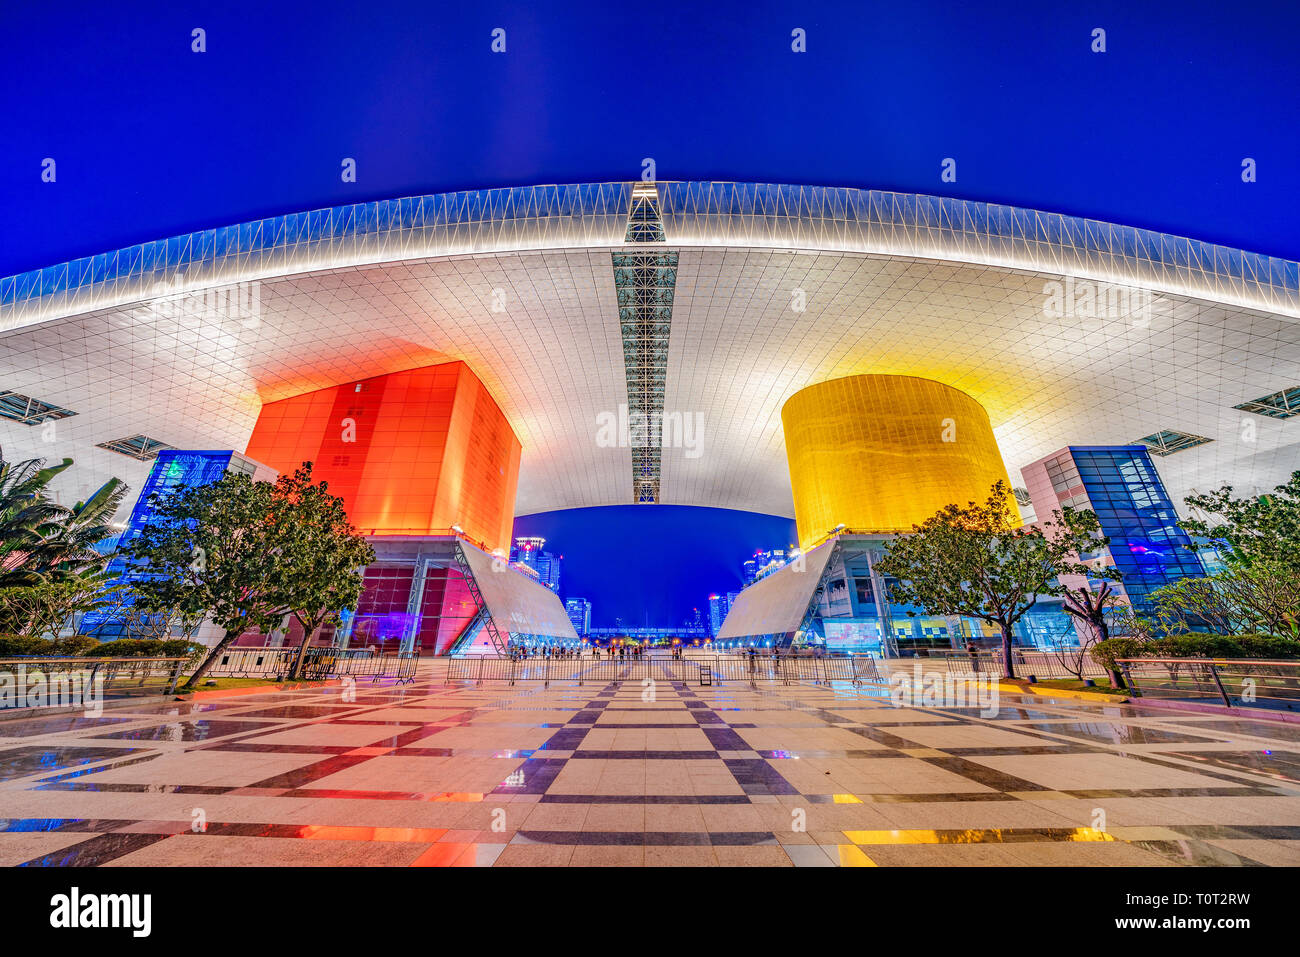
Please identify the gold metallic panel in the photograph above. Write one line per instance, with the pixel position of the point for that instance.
(881, 453)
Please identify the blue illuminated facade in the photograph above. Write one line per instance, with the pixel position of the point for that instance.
(173, 469)
(1121, 485)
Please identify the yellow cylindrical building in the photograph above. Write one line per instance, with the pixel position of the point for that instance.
(881, 453)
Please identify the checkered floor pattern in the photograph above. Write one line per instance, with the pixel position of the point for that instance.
(627, 774)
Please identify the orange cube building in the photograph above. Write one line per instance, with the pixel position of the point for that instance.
(410, 453)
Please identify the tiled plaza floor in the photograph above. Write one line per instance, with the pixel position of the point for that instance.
(438, 774)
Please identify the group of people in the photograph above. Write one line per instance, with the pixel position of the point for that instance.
(621, 652)
(519, 652)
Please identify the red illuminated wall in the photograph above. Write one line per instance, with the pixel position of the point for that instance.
(429, 449)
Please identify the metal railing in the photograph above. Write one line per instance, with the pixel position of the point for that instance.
(399, 666)
(55, 681)
(796, 668)
(1235, 682)
(1039, 664)
(695, 669)
(480, 668)
(319, 663)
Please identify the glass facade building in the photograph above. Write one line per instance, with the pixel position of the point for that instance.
(1121, 485)
(848, 607)
(437, 595)
(173, 469)
(425, 604)
(579, 612)
(763, 563)
(530, 552)
(851, 620)
(719, 605)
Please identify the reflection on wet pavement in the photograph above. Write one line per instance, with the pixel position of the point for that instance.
(21, 762)
(453, 775)
(201, 729)
(30, 727)
(1119, 733)
(1283, 765)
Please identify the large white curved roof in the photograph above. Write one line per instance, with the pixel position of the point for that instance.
(524, 291)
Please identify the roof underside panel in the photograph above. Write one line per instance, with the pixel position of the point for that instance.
(773, 288)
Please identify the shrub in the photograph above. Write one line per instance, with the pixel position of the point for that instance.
(1195, 645)
(1268, 646)
(1190, 646)
(13, 646)
(75, 645)
(26, 646)
(175, 647)
(146, 648)
(1106, 652)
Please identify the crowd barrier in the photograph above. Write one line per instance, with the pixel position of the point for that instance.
(320, 663)
(698, 670)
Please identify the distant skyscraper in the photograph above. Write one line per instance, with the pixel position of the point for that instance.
(579, 612)
(718, 607)
(548, 570)
(526, 549)
(531, 551)
(762, 564)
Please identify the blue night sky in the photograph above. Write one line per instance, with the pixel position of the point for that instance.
(152, 140)
(660, 561)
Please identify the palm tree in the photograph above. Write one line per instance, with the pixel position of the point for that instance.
(50, 566)
(27, 519)
(70, 550)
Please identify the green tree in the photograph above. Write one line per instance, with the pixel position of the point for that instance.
(1199, 602)
(43, 608)
(1259, 528)
(215, 550)
(1269, 591)
(1092, 603)
(1087, 593)
(51, 565)
(27, 518)
(71, 547)
(323, 575)
(1261, 597)
(975, 560)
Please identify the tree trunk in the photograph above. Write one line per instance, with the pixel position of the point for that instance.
(1007, 665)
(217, 649)
(295, 674)
(1103, 634)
